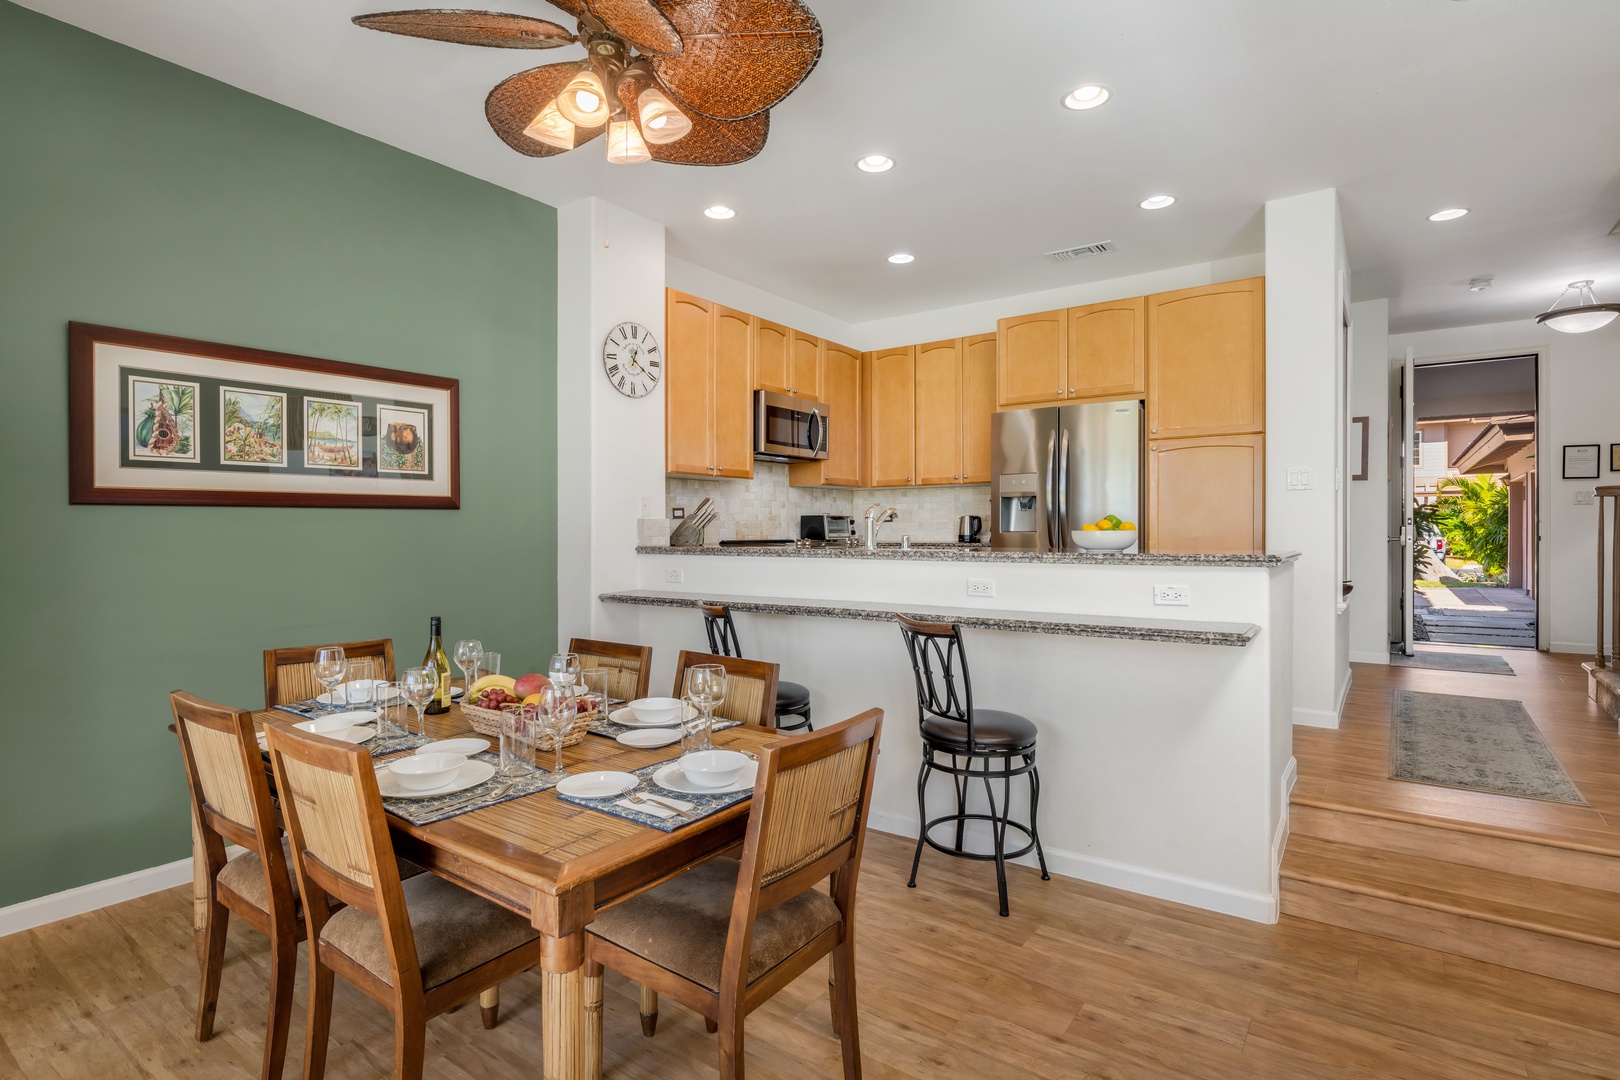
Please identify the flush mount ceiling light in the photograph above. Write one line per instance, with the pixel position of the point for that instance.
(1086, 97)
(1156, 202)
(875, 163)
(720, 213)
(1480, 284)
(1583, 315)
(683, 83)
(1448, 215)
(900, 258)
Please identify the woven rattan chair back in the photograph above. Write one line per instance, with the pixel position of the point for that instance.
(289, 674)
(629, 667)
(939, 667)
(721, 630)
(750, 686)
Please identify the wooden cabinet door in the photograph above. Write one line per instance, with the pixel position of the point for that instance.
(891, 388)
(688, 383)
(1033, 358)
(1206, 360)
(804, 367)
(840, 382)
(978, 403)
(938, 435)
(732, 418)
(771, 348)
(1207, 495)
(1108, 350)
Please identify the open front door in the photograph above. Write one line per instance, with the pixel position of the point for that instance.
(1401, 519)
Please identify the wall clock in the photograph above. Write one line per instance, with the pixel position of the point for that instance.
(631, 359)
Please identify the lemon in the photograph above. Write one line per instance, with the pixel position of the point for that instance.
(1127, 526)
(1088, 528)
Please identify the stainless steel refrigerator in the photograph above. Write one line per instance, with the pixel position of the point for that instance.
(1054, 469)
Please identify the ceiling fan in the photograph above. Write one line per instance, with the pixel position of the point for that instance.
(689, 82)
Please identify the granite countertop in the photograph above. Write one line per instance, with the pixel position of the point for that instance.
(975, 553)
(1181, 631)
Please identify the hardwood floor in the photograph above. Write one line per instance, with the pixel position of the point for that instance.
(1082, 981)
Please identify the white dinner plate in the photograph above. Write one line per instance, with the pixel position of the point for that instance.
(352, 693)
(671, 778)
(467, 747)
(469, 775)
(629, 719)
(457, 691)
(358, 734)
(661, 736)
(597, 785)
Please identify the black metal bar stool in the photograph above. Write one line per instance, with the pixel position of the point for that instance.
(977, 741)
(792, 699)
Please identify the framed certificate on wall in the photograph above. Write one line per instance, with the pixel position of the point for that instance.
(1582, 461)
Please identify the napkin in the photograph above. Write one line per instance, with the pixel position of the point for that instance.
(657, 810)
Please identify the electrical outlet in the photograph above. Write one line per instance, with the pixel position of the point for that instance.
(981, 586)
(674, 575)
(1172, 594)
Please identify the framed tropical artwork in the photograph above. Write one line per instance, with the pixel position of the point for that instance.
(166, 420)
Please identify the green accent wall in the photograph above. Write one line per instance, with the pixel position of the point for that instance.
(137, 194)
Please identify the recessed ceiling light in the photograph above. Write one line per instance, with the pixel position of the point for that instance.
(1156, 202)
(1086, 97)
(875, 163)
(1448, 215)
(900, 257)
(720, 213)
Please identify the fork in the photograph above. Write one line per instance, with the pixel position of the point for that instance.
(499, 791)
(636, 796)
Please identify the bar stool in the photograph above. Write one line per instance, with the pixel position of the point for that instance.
(982, 738)
(792, 699)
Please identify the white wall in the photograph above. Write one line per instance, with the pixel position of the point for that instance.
(1306, 280)
(699, 281)
(1579, 377)
(1369, 498)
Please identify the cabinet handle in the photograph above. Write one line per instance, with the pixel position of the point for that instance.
(1071, 389)
(1153, 429)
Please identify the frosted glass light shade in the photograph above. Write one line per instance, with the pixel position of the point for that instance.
(625, 144)
(584, 101)
(552, 128)
(1579, 322)
(661, 121)
(1583, 315)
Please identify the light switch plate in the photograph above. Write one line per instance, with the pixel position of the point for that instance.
(1583, 497)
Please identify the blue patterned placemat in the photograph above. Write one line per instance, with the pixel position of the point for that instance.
(395, 744)
(702, 805)
(610, 730)
(440, 807)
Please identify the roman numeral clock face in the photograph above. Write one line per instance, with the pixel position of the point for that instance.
(631, 359)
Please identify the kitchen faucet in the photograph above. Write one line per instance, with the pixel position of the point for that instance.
(874, 520)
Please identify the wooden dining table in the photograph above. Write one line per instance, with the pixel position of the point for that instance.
(558, 864)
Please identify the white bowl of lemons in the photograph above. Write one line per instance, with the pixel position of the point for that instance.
(1106, 534)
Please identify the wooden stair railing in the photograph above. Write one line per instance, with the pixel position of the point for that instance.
(1613, 657)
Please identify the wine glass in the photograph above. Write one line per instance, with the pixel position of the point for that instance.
(330, 667)
(468, 654)
(706, 684)
(419, 685)
(564, 669)
(559, 712)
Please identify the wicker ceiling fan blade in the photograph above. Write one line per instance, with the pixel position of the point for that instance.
(639, 23)
(710, 142)
(574, 8)
(514, 104)
(740, 57)
(491, 29)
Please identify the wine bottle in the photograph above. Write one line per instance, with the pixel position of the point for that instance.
(435, 658)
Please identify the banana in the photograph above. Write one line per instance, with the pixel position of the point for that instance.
(502, 681)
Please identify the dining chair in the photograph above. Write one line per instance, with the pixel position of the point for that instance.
(792, 699)
(230, 802)
(725, 936)
(418, 947)
(629, 667)
(289, 674)
(750, 686)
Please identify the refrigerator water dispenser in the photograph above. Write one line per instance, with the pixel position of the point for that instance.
(1017, 507)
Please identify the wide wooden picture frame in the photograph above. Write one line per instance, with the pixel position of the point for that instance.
(159, 420)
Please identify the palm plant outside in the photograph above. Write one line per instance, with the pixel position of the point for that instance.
(1474, 521)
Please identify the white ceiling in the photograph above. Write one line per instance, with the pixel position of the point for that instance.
(1507, 107)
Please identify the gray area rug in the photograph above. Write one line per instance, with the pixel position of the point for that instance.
(1480, 744)
(1454, 661)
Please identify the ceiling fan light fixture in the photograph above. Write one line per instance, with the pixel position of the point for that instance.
(584, 100)
(1086, 97)
(661, 120)
(625, 144)
(1584, 315)
(875, 163)
(552, 127)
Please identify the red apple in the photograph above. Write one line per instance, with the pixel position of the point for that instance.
(530, 684)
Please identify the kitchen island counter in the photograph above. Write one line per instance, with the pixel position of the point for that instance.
(973, 553)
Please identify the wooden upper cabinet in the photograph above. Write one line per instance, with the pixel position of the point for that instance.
(732, 452)
(840, 382)
(1207, 495)
(978, 402)
(772, 346)
(1108, 350)
(1206, 360)
(688, 383)
(890, 420)
(1034, 358)
(938, 435)
(804, 367)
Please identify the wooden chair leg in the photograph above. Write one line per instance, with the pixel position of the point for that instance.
(410, 1044)
(319, 1026)
(211, 952)
(283, 968)
(832, 990)
(847, 1023)
(489, 1006)
(649, 1011)
(731, 1044)
(711, 1026)
(593, 1020)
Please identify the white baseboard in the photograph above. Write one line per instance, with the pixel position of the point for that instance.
(1322, 718)
(1201, 894)
(97, 895)
(1279, 842)
(1369, 657)
(1586, 647)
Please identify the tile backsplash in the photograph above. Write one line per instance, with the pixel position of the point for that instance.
(766, 508)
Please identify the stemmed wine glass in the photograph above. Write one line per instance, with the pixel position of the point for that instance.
(706, 685)
(419, 685)
(330, 667)
(564, 670)
(469, 653)
(559, 711)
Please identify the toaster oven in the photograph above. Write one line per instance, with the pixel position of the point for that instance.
(826, 527)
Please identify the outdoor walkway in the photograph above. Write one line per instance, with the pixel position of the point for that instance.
(1460, 615)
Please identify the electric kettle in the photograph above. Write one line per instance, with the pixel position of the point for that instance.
(968, 528)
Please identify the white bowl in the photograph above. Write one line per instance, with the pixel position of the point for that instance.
(1105, 539)
(713, 768)
(656, 710)
(423, 771)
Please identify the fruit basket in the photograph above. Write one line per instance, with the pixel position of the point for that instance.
(488, 722)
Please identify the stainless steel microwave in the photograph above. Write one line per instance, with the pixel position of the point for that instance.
(789, 428)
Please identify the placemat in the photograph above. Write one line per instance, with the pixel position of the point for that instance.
(381, 747)
(611, 730)
(702, 805)
(439, 808)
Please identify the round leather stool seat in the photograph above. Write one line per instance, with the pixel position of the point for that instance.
(991, 728)
(791, 698)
